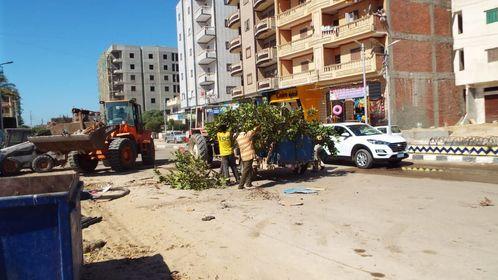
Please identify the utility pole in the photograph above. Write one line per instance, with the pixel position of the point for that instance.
(388, 84)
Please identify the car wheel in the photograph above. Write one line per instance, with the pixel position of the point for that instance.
(363, 159)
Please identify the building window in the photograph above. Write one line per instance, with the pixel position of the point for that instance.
(305, 66)
(492, 16)
(165, 67)
(191, 74)
(152, 88)
(151, 56)
(227, 45)
(248, 52)
(459, 19)
(166, 88)
(182, 76)
(165, 56)
(492, 55)
(132, 77)
(166, 77)
(133, 88)
(190, 52)
(337, 59)
(246, 24)
(151, 77)
(132, 66)
(181, 57)
(249, 79)
(152, 100)
(355, 54)
(229, 67)
(461, 60)
(179, 36)
(132, 55)
(151, 67)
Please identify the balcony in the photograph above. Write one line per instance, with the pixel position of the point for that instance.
(268, 84)
(358, 29)
(232, 2)
(117, 71)
(293, 14)
(233, 20)
(235, 45)
(266, 57)
(236, 69)
(206, 34)
(296, 47)
(261, 5)
(298, 79)
(118, 82)
(265, 28)
(202, 14)
(373, 64)
(206, 57)
(237, 92)
(206, 79)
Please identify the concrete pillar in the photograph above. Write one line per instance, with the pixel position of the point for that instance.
(470, 106)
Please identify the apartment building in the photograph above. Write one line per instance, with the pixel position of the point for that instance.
(255, 44)
(205, 62)
(10, 109)
(149, 74)
(407, 43)
(475, 33)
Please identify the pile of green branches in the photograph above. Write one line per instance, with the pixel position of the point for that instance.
(276, 124)
(191, 173)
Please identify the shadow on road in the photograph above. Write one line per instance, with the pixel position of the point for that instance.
(105, 171)
(150, 268)
(284, 176)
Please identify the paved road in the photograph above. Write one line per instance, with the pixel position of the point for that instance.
(484, 173)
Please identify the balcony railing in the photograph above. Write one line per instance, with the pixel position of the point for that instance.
(266, 57)
(296, 46)
(268, 84)
(206, 79)
(233, 20)
(232, 2)
(261, 5)
(292, 14)
(235, 45)
(202, 14)
(356, 28)
(265, 28)
(206, 34)
(351, 68)
(298, 79)
(236, 69)
(206, 57)
(237, 91)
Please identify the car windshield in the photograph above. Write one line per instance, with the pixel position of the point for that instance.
(363, 130)
(395, 129)
(118, 112)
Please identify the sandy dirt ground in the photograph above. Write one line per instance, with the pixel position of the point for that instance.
(358, 226)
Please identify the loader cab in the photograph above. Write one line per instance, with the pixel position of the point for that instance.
(123, 112)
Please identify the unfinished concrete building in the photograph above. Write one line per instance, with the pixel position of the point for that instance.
(149, 74)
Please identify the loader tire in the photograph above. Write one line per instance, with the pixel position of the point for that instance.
(150, 157)
(42, 163)
(199, 147)
(122, 154)
(82, 163)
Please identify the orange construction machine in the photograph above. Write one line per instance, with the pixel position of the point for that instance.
(117, 141)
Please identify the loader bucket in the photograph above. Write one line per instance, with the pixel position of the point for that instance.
(74, 142)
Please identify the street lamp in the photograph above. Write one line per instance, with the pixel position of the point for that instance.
(388, 88)
(2, 85)
(365, 91)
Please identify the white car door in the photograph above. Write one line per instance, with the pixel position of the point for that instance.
(344, 142)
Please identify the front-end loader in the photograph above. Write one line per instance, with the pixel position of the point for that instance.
(117, 141)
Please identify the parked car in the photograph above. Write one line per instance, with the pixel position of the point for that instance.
(174, 136)
(364, 144)
(394, 129)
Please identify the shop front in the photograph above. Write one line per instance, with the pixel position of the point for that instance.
(347, 104)
(305, 98)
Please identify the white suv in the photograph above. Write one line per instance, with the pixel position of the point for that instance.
(364, 144)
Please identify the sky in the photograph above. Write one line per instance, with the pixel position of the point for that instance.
(55, 46)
